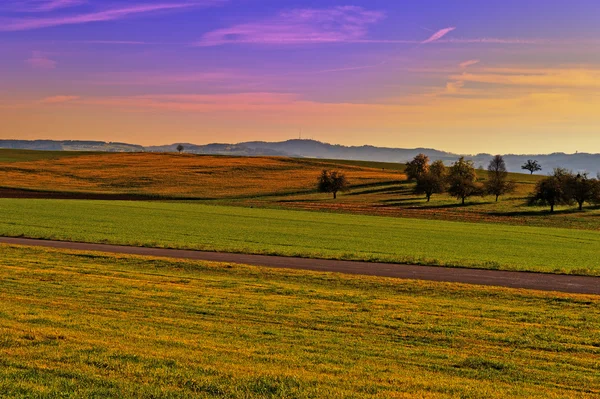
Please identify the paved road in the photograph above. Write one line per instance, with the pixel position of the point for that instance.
(535, 281)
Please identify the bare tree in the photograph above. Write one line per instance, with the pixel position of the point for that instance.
(332, 182)
(532, 166)
(433, 181)
(180, 148)
(497, 183)
(417, 167)
(462, 180)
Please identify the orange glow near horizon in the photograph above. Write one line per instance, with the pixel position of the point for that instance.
(364, 79)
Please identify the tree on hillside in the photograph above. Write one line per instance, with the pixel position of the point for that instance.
(417, 167)
(433, 181)
(497, 183)
(332, 182)
(180, 148)
(583, 189)
(462, 180)
(553, 190)
(532, 166)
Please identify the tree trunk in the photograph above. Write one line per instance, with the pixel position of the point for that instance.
(497, 198)
(335, 195)
(428, 198)
(581, 206)
(552, 208)
(532, 172)
(463, 200)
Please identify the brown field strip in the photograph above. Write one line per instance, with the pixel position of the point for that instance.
(175, 175)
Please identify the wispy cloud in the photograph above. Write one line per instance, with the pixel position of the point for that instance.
(21, 24)
(454, 87)
(59, 99)
(495, 40)
(469, 63)
(142, 78)
(438, 35)
(239, 102)
(581, 78)
(50, 5)
(123, 42)
(40, 60)
(302, 26)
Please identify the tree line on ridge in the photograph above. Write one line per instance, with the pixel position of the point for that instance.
(460, 181)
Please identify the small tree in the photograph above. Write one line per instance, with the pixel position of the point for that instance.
(532, 166)
(332, 182)
(497, 183)
(417, 167)
(462, 180)
(582, 189)
(553, 190)
(180, 148)
(433, 181)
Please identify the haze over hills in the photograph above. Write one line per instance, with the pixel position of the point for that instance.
(316, 149)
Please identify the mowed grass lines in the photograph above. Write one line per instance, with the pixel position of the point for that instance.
(306, 234)
(95, 325)
(179, 175)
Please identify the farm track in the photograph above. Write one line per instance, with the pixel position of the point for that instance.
(509, 279)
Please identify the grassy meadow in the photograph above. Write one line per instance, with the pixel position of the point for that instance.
(271, 182)
(97, 326)
(179, 175)
(10, 155)
(306, 234)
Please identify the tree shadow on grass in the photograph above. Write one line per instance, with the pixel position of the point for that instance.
(385, 190)
(396, 204)
(452, 206)
(544, 212)
(402, 200)
(291, 201)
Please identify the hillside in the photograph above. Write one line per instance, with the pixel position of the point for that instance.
(316, 149)
(179, 175)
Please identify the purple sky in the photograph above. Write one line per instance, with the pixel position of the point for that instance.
(467, 76)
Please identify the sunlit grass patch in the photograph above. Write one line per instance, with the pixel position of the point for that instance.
(305, 234)
(130, 327)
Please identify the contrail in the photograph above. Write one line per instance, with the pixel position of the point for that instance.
(438, 35)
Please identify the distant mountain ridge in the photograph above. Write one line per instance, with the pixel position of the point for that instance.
(316, 149)
(69, 145)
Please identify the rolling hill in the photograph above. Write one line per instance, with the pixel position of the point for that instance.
(316, 149)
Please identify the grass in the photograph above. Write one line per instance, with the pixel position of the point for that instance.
(180, 175)
(400, 167)
(101, 326)
(10, 155)
(306, 234)
(398, 200)
(271, 182)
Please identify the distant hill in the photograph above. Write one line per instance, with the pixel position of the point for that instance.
(218, 149)
(70, 145)
(316, 149)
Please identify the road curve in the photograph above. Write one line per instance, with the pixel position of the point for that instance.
(526, 280)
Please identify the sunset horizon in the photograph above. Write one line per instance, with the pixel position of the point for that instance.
(277, 199)
(466, 78)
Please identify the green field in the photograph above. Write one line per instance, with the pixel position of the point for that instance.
(306, 234)
(98, 326)
(10, 155)
(377, 188)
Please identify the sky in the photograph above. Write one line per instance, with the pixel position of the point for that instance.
(467, 76)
